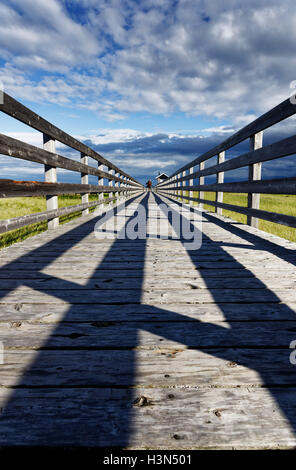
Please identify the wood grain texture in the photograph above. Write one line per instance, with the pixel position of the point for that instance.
(210, 419)
(10, 188)
(143, 344)
(274, 186)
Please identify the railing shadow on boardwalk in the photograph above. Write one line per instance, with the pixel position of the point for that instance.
(89, 416)
(269, 377)
(96, 416)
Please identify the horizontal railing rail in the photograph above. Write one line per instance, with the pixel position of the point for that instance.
(190, 178)
(119, 183)
(20, 112)
(18, 222)
(10, 188)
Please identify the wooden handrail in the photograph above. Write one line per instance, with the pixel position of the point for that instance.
(11, 188)
(283, 148)
(274, 186)
(125, 184)
(23, 220)
(275, 115)
(18, 149)
(20, 112)
(177, 184)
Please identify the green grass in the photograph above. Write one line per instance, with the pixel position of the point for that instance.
(282, 204)
(17, 206)
(14, 207)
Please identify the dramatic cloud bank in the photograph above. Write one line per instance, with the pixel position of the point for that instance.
(230, 59)
(143, 155)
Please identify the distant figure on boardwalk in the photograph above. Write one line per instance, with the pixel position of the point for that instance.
(149, 184)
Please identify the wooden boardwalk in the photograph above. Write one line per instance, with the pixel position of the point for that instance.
(144, 344)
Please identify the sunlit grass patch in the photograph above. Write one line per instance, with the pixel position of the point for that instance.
(18, 206)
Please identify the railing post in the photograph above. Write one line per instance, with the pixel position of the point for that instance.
(110, 184)
(123, 184)
(84, 180)
(220, 179)
(50, 176)
(101, 183)
(179, 184)
(183, 183)
(126, 187)
(256, 142)
(201, 181)
(116, 185)
(190, 184)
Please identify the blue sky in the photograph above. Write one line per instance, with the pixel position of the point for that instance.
(150, 84)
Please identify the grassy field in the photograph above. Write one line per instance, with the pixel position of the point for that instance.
(14, 207)
(17, 206)
(283, 204)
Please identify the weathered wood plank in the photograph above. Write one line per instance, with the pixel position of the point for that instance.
(205, 341)
(216, 418)
(109, 283)
(10, 188)
(152, 335)
(272, 186)
(55, 313)
(137, 256)
(154, 247)
(154, 368)
(147, 296)
(113, 265)
(105, 274)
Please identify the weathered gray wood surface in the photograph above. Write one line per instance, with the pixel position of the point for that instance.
(10, 188)
(168, 419)
(274, 186)
(142, 344)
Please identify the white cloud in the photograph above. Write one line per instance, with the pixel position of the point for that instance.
(42, 35)
(32, 138)
(12, 173)
(107, 136)
(231, 59)
(142, 163)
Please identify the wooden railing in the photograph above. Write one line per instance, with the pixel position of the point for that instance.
(182, 181)
(124, 184)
